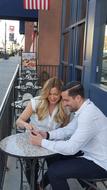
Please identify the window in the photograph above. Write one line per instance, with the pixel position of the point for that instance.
(78, 74)
(67, 14)
(104, 61)
(66, 46)
(81, 9)
(80, 43)
(73, 30)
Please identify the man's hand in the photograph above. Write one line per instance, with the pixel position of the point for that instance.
(36, 132)
(43, 134)
(35, 138)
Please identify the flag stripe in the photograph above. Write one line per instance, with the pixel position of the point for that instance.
(28, 4)
(32, 4)
(38, 7)
(43, 4)
(36, 4)
(48, 4)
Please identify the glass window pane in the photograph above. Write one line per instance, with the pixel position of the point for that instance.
(80, 44)
(73, 12)
(66, 46)
(78, 75)
(82, 5)
(104, 61)
(67, 14)
(72, 46)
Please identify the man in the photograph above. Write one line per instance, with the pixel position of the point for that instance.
(87, 132)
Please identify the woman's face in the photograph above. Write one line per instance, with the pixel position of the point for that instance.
(54, 96)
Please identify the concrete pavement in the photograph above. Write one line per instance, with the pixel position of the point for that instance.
(7, 69)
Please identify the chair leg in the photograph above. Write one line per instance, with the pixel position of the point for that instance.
(105, 185)
(92, 186)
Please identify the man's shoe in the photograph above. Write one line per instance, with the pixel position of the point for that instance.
(39, 187)
(91, 188)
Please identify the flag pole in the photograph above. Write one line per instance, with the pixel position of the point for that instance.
(5, 42)
(36, 31)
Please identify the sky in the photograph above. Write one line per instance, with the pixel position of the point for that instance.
(106, 31)
(9, 25)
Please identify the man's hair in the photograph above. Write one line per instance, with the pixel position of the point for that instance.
(74, 88)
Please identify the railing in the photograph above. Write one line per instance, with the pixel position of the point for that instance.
(46, 71)
(6, 122)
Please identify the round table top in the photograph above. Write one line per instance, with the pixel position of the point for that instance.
(27, 87)
(18, 145)
(18, 104)
(21, 87)
(29, 79)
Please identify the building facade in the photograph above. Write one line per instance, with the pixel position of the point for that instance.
(73, 35)
(84, 46)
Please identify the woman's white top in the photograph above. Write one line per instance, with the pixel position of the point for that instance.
(48, 123)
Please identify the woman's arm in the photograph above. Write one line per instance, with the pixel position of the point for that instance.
(25, 115)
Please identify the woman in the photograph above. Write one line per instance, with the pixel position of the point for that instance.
(46, 112)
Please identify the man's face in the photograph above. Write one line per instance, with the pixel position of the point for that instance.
(70, 102)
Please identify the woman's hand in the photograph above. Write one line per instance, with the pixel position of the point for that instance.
(29, 126)
(35, 138)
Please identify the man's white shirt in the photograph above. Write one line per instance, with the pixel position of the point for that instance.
(86, 132)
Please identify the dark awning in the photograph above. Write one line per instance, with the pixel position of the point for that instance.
(13, 9)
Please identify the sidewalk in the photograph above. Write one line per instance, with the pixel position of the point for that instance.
(7, 69)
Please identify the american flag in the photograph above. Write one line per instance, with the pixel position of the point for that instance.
(36, 4)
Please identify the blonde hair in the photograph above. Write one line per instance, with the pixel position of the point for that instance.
(43, 107)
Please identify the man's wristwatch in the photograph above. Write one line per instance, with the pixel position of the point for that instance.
(47, 136)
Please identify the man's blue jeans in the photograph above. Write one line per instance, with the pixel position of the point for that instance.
(77, 167)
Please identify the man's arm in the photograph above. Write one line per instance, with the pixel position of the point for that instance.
(57, 134)
(78, 140)
(63, 133)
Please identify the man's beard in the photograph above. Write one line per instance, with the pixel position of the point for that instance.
(72, 109)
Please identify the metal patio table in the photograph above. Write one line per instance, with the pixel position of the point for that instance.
(18, 145)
